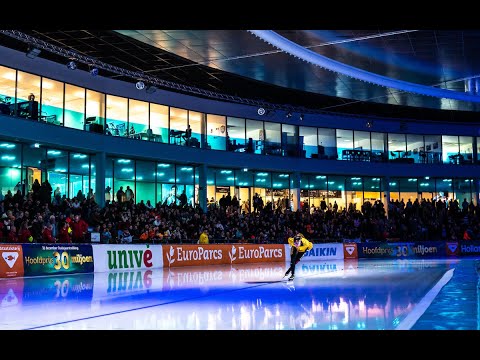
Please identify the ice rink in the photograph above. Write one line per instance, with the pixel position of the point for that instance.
(325, 295)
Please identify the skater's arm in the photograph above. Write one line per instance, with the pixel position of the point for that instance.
(306, 245)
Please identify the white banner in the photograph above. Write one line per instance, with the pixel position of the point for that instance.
(126, 257)
(332, 251)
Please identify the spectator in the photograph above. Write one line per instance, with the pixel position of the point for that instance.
(203, 240)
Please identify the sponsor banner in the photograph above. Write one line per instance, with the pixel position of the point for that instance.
(11, 263)
(429, 249)
(46, 259)
(385, 250)
(469, 247)
(324, 252)
(115, 284)
(452, 249)
(127, 257)
(350, 251)
(402, 250)
(213, 254)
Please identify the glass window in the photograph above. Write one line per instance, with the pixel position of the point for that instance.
(327, 145)
(426, 187)
(196, 121)
(444, 188)
(262, 182)
(109, 185)
(57, 170)
(117, 116)
(280, 190)
(185, 185)
(93, 176)
(255, 136)
(166, 189)
(394, 185)
(434, 155)
(378, 146)
(52, 102)
(10, 167)
(414, 143)
(397, 146)
(74, 106)
(273, 138)
(79, 169)
(10, 154)
(466, 149)
(178, 125)
(310, 145)
(28, 95)
(159, 123)
(138, 119)
(7, 90)
(235, 134)
(336, 191)
(145, 182)
(354, 192)
(409, 189)
(211, 194)
(361, 140)
(124, 172)
(450, 149)
(216, 132)
(372, 188)
(290, 144)
(95, 119)
(463, 190)
(344, 142)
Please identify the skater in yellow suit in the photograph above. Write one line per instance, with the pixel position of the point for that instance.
(299, 245)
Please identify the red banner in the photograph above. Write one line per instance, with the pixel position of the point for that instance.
(11, 263)
(213, 254)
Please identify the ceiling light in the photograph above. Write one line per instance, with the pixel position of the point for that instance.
(301, 117)
(32, 53)
(94, 71)
(151, 89)
(140, 85)
(71, 65)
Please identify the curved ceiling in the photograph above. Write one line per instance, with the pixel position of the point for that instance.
(237, 63)
(444, 59)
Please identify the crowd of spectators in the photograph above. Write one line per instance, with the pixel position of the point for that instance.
(37, 217)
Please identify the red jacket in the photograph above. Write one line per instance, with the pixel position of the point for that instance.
(47, 236)
(12, 237)
(64, 236)
(24, 235)
(78, 229)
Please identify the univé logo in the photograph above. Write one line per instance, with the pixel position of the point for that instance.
(10, 258)
(129, 259)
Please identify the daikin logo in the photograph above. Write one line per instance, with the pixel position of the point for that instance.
(10, 258)
(232, 254)
(350, 249)
(452, 247)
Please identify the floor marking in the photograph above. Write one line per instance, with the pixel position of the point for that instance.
(422, 306)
